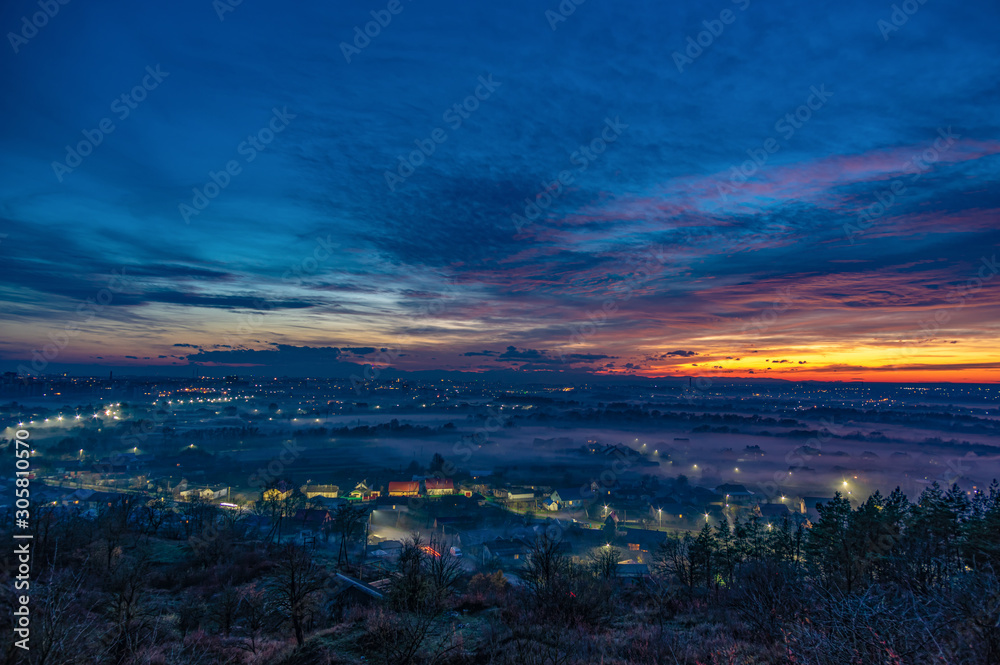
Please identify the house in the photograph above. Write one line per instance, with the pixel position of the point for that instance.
(508, 552)
(101, 500)
(773, 511)
(632, 571)
(641, 544)
(348, 592)
(362, 492)
(439, 486)
(809, 505)
(671, 513)
(324, 502)
(515, 494)
(324, 491)
(278, 492)
(314, 519)
(205, 493)
(391, 504)
(475, 538)
(390, 548)
(736, 494)
(567, 497)
(55, 496)
(404, 488)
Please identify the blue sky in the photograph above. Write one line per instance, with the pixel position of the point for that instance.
(307, 249)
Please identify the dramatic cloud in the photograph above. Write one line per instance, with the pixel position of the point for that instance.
(861, 243)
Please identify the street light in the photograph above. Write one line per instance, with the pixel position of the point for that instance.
(659, 513)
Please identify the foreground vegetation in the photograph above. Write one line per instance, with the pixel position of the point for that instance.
(889, 582)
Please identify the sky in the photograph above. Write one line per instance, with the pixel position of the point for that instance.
(803, 191)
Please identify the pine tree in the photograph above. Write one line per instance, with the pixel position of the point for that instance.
(703, 553)
(827, 548)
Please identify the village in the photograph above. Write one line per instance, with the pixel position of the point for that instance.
(480, 516)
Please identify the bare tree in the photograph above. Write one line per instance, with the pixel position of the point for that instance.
(62, 625)
(253, 614)
(295, 585)
(225, 605)
(126, 589)
(673, 560)
(398, 638)
(605, 560)
(347, 523)
(545, 566)
(443, 567)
